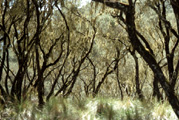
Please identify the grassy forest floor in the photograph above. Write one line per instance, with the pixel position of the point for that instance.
(99, 108)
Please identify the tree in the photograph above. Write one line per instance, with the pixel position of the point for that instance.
(40, 37)
(142, 46)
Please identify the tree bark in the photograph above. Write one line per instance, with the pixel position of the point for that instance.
(137, 82)
(156, 91)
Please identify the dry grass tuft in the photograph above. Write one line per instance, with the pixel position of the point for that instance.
(98, 108)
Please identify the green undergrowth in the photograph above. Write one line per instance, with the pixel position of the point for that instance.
(99, 108)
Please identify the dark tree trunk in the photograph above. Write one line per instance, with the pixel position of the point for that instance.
(156, 91)
(40, 89)
(119, 84)
(17, 84)
(138, 90)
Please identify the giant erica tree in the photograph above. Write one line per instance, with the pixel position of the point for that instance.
(38, 34)
(141, 44)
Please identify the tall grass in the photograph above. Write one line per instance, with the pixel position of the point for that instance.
(99, 108)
